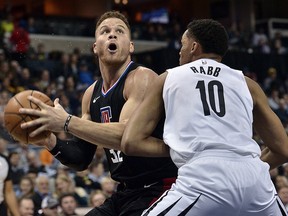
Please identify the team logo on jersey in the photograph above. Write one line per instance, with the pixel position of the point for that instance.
(106, 114)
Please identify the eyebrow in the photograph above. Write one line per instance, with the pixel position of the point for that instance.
(105, 26)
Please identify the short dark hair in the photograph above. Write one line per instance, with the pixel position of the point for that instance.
(64, 195)
(113, 14)
(210, 34)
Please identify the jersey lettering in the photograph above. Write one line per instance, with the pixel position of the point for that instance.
(210, 70)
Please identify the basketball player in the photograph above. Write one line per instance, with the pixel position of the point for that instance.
(210, 113)
(113, 98)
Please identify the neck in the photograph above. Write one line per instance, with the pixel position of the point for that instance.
(111, 73)
(213, 56)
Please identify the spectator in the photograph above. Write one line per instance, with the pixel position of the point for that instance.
(26, 187)
(65, 184)
(96, 198)
(85, 75)
(277, 44)
(68, 204)
(31, 28)
(283, 194)
(34, 162)
(41, 191)
(41, 53)
(282, 111)
(6, 29)
(20, 42)
(97, 172)
(44, 79)
(70, 87)
(82, 180)
(26, 207)
(16, 172)
(108, 186)
(281, 181)
(49, 207)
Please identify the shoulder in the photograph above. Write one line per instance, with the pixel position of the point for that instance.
(255, 90)
(141, 71)
(88, 92)
(138, 81)
(139, 75)
(3, 157)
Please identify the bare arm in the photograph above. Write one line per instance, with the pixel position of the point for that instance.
(137, 140)
(269, 127)
(10, 198)
(105, 135)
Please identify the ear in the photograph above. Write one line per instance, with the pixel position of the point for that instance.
(194, 47)
(94, 48)
(132, 48)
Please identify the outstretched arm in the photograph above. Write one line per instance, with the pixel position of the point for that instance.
(269, 128)
(106, 135)
(137, 140)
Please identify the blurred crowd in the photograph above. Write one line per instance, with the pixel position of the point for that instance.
(39, 180)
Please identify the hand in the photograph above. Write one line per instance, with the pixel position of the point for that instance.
(49, 143)
(50, 118)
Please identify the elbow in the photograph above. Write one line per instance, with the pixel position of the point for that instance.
(128, 146)
(80, 167)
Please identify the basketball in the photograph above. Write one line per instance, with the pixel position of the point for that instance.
(13, 119)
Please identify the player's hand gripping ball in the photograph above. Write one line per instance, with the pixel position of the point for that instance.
(13, 119)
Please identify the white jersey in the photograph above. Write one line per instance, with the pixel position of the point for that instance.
(4, 169)
(213, 106)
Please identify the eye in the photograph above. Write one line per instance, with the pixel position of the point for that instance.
(120, 31)
(104, 31)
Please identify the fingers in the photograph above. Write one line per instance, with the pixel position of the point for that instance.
(35, 100)
(56, 101)
(37, 131)
(31, 111)
(35, 122)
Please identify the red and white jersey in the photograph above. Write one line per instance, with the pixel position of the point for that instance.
(208, 107)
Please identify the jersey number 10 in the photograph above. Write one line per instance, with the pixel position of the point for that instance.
(214, 87)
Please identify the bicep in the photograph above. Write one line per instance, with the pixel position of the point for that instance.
(85, 106)
(147, 115)
(266, 123)
(136, 87)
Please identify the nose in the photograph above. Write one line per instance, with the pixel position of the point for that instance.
(112, 36)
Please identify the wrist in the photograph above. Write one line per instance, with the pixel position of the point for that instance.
(66, 124)
(51, 142)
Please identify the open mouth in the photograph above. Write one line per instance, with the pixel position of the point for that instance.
(112, 47)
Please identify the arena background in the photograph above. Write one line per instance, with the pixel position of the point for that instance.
(67, 26)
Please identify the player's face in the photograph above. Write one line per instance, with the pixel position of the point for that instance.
(113, 44)
(186, 49)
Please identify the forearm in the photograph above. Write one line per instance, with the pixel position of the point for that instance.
(12, 204)
(107, 135)
(272, 158)
(76, 153)
(148, 147)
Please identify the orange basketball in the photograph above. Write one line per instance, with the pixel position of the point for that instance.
(13, 119)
